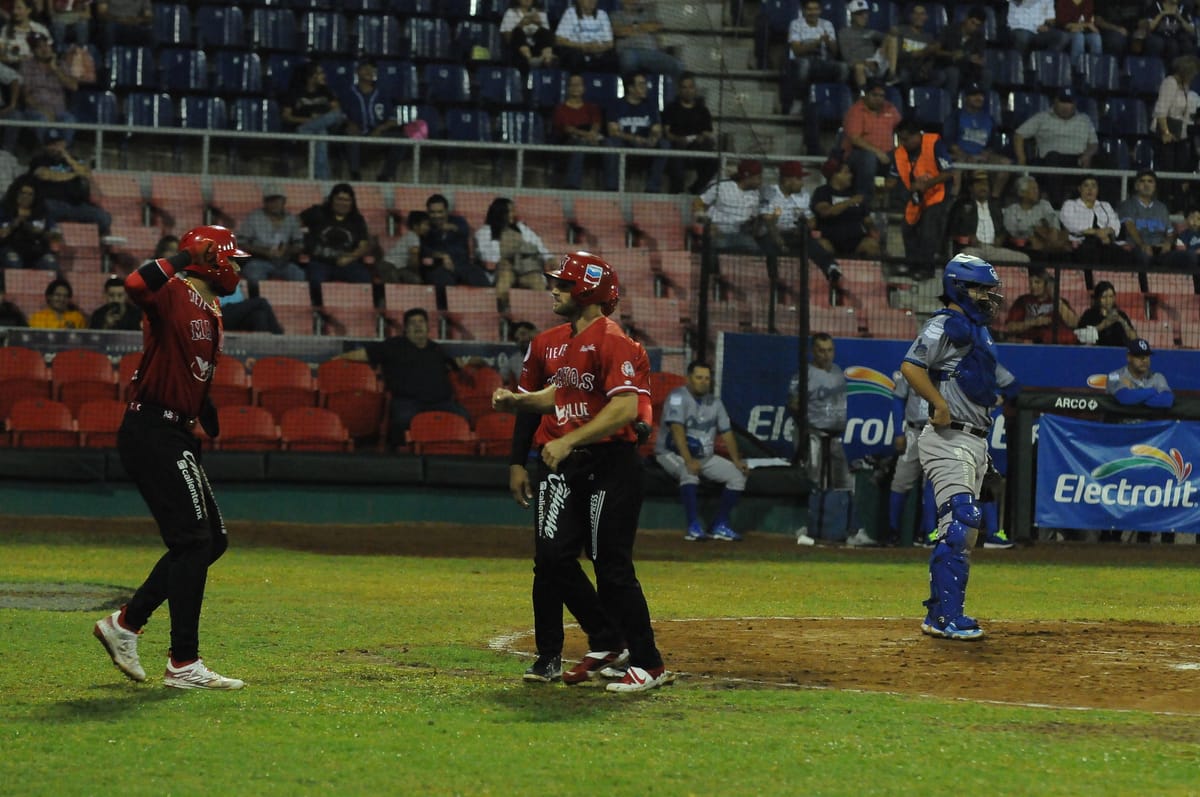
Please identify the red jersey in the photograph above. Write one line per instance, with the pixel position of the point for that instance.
(181, 341)
(588, 369)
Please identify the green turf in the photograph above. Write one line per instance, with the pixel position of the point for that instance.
(371, 675)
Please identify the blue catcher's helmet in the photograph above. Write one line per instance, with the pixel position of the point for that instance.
(964, 272)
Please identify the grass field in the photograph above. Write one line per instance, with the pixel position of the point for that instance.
(372, 674)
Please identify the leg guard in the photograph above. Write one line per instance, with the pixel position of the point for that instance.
(949, 567)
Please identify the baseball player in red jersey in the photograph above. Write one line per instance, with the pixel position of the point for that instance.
(587, 376)
(181, 334)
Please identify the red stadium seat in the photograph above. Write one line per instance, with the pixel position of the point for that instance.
(281, 383)
(80, 375)
(231, 384)
(23, 374)
(495, 432)
(352, 390)
(313, 429)
(473, 388)
(337, 375)
(661, 384)
(177, 201)
(247, 429)
(42, 423)
(399, 299)
(439, 432)
(471, 313)
(98, 422)
(603, 225)
(349, 310)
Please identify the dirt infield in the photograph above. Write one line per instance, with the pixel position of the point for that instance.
(1109, 665)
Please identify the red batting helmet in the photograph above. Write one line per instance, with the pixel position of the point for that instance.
(592, 279)
(222, 275)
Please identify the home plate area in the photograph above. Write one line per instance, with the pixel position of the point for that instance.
(1085, 665)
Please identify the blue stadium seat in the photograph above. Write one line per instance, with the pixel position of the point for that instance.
(884, 15)
(324, 32)
(660, 90)
(280, 67)
(1098, 73)
(1089, 108)
(379, 36)
(470, 34)
(408, 8)
(273, 29)
(238, 73)
(1116, 151)
(829, 101)
(1006, 67)
(1022, 105)
(602, 88)
(431, 116)
(892, 94)
(203, 113)
(500, 86)
(1126, 116)
(465, 124)
(130, 67)
(364, 6)
(522, 127)
(447, 84)
(340, 74)
(398, 81)
(1143, 154)
(172, 23)
(491, 9)
(547, 87)
(1051, 70)
(428, 39)
(835, 11)
(555, 9)
(779, 14)
(455, 9)
(311, 5)
(930, 106)
(255, 115)
(1146, 74)
(220, 26)
(147, 109)
(95, 107)
(183, 70)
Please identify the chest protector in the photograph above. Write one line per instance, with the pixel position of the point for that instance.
(975, 373)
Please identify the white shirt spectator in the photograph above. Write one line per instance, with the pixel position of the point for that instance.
(729, 206)
(985, 231)
(1029, 15)
(585, 30)
(514, 15)
(801, 31)
(791, 209)
(1077, 217)
(488, 248)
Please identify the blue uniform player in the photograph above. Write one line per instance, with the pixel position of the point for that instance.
(952, 364)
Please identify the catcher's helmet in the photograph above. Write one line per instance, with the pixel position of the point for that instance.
(964, 272)
(221, 275)
(592, 279)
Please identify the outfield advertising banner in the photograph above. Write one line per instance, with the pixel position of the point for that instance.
(753, 372)
(1128, 476)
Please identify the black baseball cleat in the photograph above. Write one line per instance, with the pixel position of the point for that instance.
(546, 669)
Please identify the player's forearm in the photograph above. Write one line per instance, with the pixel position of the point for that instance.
(617, 414)
(540, 402)
(918, 380)
(679, 437)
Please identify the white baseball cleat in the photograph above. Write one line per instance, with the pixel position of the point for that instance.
(197, 676)
(638, 679)
(802, 537)
(121, 645)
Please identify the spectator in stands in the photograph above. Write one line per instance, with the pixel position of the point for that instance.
(635, 123)
(1167, 29)
(977, 227)
(336, 240)
(862, 46)
(688, 125)
(509, 364)
(845, 226)
(416, 371)
(118, 312)
(1064, 137)
(311, 107)
(402, 263)
(1136, 383)
(580, 124)
(922, 164)
(812, 58)
(129, 22)
(636, 27)
(274, 238)
(1116, 19)
(60, 312)
(867, 132)
(510, 250)
(1189, 242)
(1077, 18)
(912, 52)
(10, 168)
(1109, 323)
(1034, 317)
(28, 234)
(1148, 230)
(15, 45)
(960, 53)
(45, 84)
(1033, 223)
(240, 313)
(972, 133)
(66, 185)
(10, 314)
(526, 32)
(446, 257)
(70, 15)
(1093, 226)
(370, 112)
(584, 39)
(1031, 26)
(1174, 111)
(731, 209)
(784, 221)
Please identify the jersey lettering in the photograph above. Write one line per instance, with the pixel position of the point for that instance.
(201, 329)
(570, 377)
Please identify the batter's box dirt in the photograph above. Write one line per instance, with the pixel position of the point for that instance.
(61, 597)
(1144, 667)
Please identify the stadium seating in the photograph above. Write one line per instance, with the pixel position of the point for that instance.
(313, 429)
(324, 33)
(473, 388)
(220, 26)
(238, 73)
(231, 384)
(23, 374)
(1051, 70)
(378, 36)
(494, 432)
(79, 375)
(247, 429)
(1146, 74)
(98, 421)
(42, 423)
(437, 432)
(547, 88)
(348, 310)
(273, 29)
(183, 70)
(521, 127)
(172, 23)
(281, 383)
(292, 305)
(352, 391)
(471, 313)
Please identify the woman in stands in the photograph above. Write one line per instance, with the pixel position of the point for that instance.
(1033, 222)
(27, 233)
(1113, 327)
(1173, 113)
(60, 312)
(511, 250)
(1093, 225)
(526, 32)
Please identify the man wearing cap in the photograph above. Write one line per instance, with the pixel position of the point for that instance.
(867, 129)
(977, 226)
(971, 133)
(731, 207)
(45, 84)
(862, 45)
(1148, 231)
(1063, 137)
(1136, 383)
(274, 238)
(634, 122)
(784, 212)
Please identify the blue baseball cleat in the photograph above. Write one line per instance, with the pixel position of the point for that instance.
(722, 532)
(695, 533)
(964, 629)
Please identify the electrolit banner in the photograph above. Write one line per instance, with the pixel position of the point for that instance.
(1127, 476)
(753, 372)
